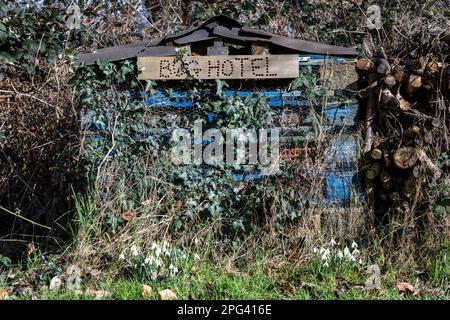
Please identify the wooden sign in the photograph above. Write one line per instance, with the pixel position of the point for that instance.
(219, 67)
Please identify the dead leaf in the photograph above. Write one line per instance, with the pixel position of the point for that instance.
(30, 248)
(146, 291)
(146, 202)
(99, 294)
(129, 215)
(55, 283)
(3, 294)
(229, 268)
(168, 294)
(405, 287)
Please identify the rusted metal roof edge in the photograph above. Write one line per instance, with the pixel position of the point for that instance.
(121, 52)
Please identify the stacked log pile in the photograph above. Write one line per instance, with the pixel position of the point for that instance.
(405, 107)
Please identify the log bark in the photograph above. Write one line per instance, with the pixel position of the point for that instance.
(374, 170)
(370, 113)
(428, 164)
(402, 103)
(387, 98)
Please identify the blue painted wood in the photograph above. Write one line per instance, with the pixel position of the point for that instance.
(337, 114)
(339, 186)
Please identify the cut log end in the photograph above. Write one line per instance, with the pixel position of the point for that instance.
(405, 157)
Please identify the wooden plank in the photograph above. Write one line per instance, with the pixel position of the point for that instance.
(219, 67)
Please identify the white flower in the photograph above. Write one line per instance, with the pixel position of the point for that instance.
(154, 245)
(352, 258)
(322, 250)
(324, 257)
(175, 270)
(134, 250)
(360, 261)
(354, 245)
(158, 251)
(355, 252)
(121, 256)
(333, 242)
(326, 265)
(346, 252)
(196, 257)
(196, 241)
(148, 260)
(340, 254)
(315, 250)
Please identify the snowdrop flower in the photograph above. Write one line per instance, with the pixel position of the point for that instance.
(196, 257)
(134, 250)
(324, 257)
(354, 245)
(346, 252)
(158, 252)
(315, 250)
(340, 254)
(355, 252)
(322, 250)
(352, 258)
(333, 243)
(326, 265)
(154, 245)
(121, 256)
(148, 260)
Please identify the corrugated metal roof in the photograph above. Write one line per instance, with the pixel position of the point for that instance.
(217, 27)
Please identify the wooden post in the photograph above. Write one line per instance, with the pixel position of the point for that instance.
(371, 106)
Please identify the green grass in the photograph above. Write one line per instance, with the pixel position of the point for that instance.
(207, 281)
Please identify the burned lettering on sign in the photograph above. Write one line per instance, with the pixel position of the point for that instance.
(219, 67)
